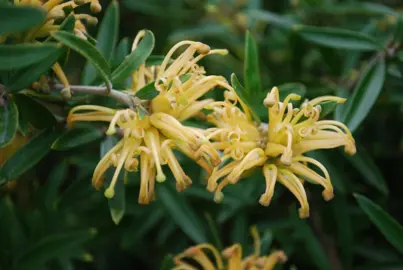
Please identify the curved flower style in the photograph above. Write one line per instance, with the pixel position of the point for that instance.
(232, 255)
(152, 138)
(276, 147)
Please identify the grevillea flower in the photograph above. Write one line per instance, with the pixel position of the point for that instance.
(149, 140)
(277, 147)
(207, 257)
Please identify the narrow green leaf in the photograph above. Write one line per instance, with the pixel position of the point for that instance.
(26, 76)
(34, 112)
(121, 51)
(147, 92)
(27, 156)
(87, 50)
(167, 263)
(56, 177)
(363, 162)
(272, 18)
(135, 59)
(76, 137)
(22, 55)
(117, 204)
(388, 226)
(243, 95)
(365, 94)
(337, 38)
(8, 122)
(20, 18)
(327, 108)
(154, 60)
(53, 246)
(253, 84)
(106, 40)
(181, 212)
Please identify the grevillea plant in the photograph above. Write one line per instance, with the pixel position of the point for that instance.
(172, 119)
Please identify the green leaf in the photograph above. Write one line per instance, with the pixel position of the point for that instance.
(117, 204)
(363, 162)
(87, 50)
(167, 263)
(54, 246)
(388, 226)
(155, 60)
(337, 38)
(243, 95)
(34, 112)
(56, 177)
(272, 18)
(121, 51)
(22, 55)
(365, 94)
(20, 18)
(27, 156)
(8, 122)
(26, 76)
(135, 59)
(147, 92)
(181, 212)
(106, 40)
(327, 108)
(76, 137)
(291, 88)
(253, 84)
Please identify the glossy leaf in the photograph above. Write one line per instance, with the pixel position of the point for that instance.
(155, 60)
(365, 94)
(27, 156)
(87, 50)
(34, 112)
(26, 76)
(181, 212)
(22, 55)
(107, 37)
(76, 137)
(389, 227)
(8, 122)
(243, 95)
(117, 204)
(20, 18)
(327, 108)
(53, 246)
(147, 92)
(135, 59)
(253, 84)
(57, 175)
(337, 38)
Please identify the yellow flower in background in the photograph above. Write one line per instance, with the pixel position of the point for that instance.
(197, 257)
(277, 147)
(55, 10)
(149, 139)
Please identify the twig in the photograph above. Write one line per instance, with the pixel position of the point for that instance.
(101, 91)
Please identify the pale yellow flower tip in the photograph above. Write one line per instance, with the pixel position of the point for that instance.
(95, 7)
(56, 14)
(66, 93)
(160, 178)
(327, 194)
(109, 193)
(202, 48)
(271, 98)
(303, 212)
(265, 200)
(218, 197)
(111, 131)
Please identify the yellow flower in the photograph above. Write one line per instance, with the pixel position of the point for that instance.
(153, 137)
(276, 147)
(231, 255)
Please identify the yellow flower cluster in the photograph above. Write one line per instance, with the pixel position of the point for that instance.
(149, 140)
(227, 151)
(277, 147)
(196, 257)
